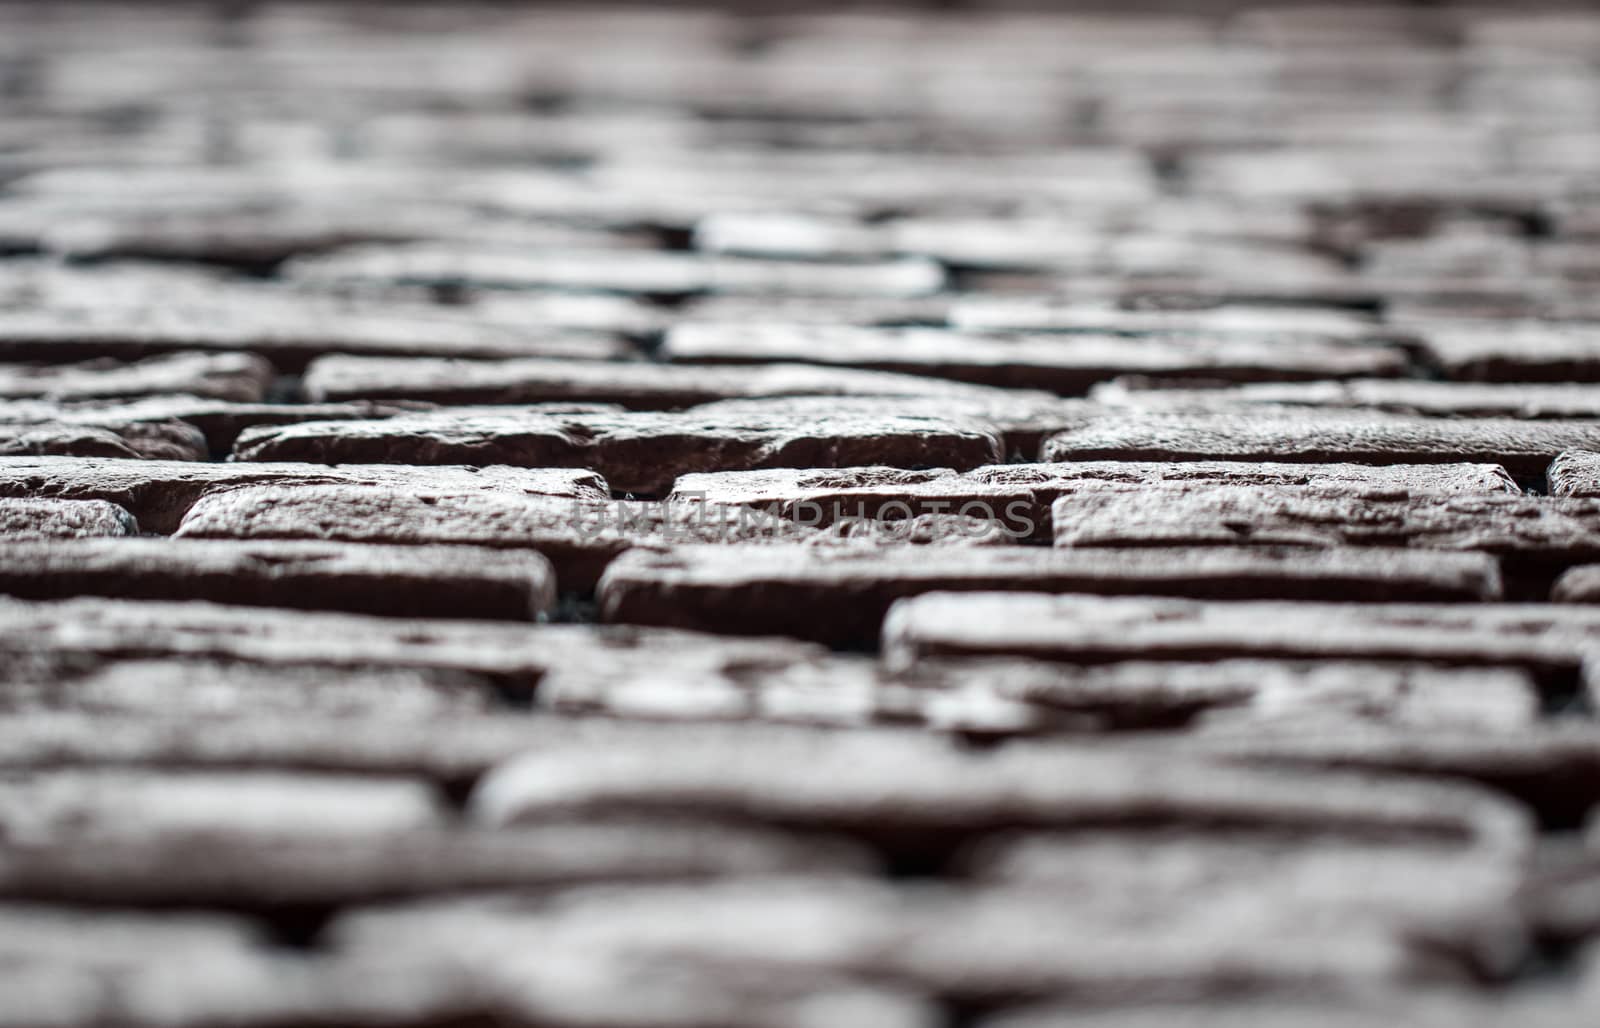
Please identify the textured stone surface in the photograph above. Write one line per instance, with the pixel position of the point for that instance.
(841, 596)
(1524, 448)
(63, 519)
(1575, 474)
(159, 493)
(1403, 396)
(90, 436)
(433, 581)
(635, 452)
(1062, 364)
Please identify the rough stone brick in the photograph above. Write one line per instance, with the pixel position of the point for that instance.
(235, 377)
(160, 493)
(22, 520)
(1578, 585)
(1031, 314)
(841, 596)
(1576, 473)
(85, 435)
(637, 452)
(1319, 437)
(1546, 531)
(1068, 365)
(409, 581)
(823, 497)
(1545, 639)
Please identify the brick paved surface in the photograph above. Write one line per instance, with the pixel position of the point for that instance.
(970, 515)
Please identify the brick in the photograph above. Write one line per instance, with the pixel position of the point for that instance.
(1440, 1009)
(218, 421)
(1068, 365)
(279, 871)
(841, 596)
(823, 497)
(287, 331)
(1024, 417)
(1576, 473)
(579, 538)
(1551, 766)
(201, 689)
(1578, 585)
(637, 452)
(1521, 351)
(516, 656)
(621, 271)
(1547, 640)
(87, 804)
(160, 493)
(919, 798)
(1550, 532)
(87, 435)
(1321, 436)
(636, 386)
(1434, 399)
(63, 519)
(405, 581)
(1139, 695)
(1053, 480)
(1030, 314)
(234, 377)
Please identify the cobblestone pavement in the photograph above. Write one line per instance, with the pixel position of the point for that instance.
(942, 518)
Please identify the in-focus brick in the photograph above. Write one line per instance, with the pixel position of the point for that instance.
(1529, 351)
(85, 435)
(1321, 437)
(637, 452)
(160, 493)
(1576, 473)
(841, 596)
(22, 520)
(403, 581)
(1532, 401)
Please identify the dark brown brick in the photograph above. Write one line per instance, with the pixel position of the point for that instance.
(407, 581)
(637, 452)
(1545, 639)
(841, 596)
(62, 519)
(1321, 436)
(86, 435)
(235, 377)
(160, 493)
(1068, 365)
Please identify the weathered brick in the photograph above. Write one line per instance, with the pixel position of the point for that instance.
(1578, 585)
(1576, 473)
(1533, 530)
(823, 497)
(160, 493)
(1320, 436)
(841, 596)
(637, 452)
(235, 377)
(1545, 639)
(410, 581)
(1013, 314)
(88, 435)
(1068, 365)
(62, 519)
(1499, 351)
